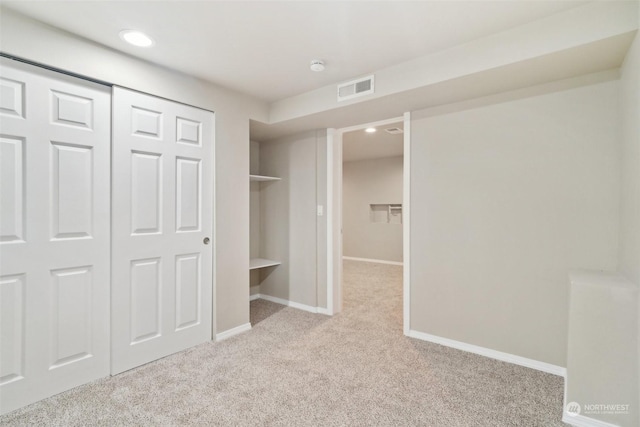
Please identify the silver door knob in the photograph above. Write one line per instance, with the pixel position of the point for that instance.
(206, 240)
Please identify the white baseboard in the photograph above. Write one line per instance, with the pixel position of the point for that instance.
(494, 354)
(254, 297)
(583, 421)
(289, 303)
(304, 307)
(254, 289)
(233, 331)
(325, 311)
(379, 261)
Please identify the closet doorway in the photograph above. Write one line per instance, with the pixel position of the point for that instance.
(369, 210)
(106, 220)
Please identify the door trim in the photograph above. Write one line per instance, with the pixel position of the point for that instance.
(406, 226)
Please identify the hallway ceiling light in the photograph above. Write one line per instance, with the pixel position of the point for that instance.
(317, 65)
(370, 130)
(136, 38)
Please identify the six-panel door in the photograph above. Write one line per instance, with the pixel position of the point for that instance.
(162, 214)
(54, 233)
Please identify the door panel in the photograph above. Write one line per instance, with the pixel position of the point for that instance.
(146, 193)
(145, 299)
(162, 270)
(12, 188)
(71, 191)
(70, 315)
(187, 194)
(12, 96)
(71, 110)
(54, 233)
(188, 286)
(12, 317)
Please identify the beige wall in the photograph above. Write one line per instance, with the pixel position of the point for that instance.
(630, 113)
(254, 216)
(604, 330)
(289, 225)
(602, 359)
(630, 208)
(28, 39)
(506, 200)
(365, 182)
(254, 201)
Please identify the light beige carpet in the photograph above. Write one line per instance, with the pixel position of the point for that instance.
(300, 369)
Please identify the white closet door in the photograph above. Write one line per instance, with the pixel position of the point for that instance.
(54, 233)
(162, 216)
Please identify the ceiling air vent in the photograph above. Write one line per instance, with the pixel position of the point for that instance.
(355, 88)
(394, 131)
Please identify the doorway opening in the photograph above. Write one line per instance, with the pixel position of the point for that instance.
(369, 215)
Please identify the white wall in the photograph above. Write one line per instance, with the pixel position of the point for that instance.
(365, 182)
(506, 200)
(288, 218)
(31, 40)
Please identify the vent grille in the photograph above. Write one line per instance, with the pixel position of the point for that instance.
(355, 88)
(394, 131)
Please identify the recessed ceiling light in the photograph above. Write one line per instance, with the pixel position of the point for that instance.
(136, 38)
(317, 65)
(370, 130)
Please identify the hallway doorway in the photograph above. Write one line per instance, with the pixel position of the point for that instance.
(372, 170)
(369, 217)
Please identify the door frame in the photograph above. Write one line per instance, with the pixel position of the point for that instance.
(334, 216)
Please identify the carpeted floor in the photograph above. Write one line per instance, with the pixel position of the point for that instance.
(300, 369)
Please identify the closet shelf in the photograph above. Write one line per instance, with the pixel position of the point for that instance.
(255, 263)
(263, 178)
